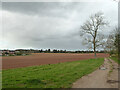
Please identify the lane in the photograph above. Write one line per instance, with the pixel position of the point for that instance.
(99, 78)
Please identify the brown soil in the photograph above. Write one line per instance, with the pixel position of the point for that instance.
(44, 58)
(100, 78)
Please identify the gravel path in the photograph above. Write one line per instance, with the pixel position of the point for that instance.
(104, 77)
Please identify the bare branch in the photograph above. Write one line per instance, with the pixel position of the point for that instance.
(91, 27)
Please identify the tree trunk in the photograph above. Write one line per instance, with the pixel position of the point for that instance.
(94, 47)
(94, 51)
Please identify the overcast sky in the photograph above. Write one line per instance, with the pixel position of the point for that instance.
(54, 25)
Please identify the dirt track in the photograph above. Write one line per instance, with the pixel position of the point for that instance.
(44, 58)
(100, 78)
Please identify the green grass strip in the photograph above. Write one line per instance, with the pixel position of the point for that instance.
(115, 58)
(60, 75)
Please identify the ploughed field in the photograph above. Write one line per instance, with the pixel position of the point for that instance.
(44, 58)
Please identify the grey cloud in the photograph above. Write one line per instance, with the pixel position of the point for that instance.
(50, 25)
(41, 8)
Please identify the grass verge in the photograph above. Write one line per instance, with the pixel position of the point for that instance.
(60, 75)
(115, 58)
(111, 68)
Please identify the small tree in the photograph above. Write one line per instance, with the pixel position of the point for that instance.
(109, 46)
(91, 30)
(49, 50)
(117, 38)
(113, 41)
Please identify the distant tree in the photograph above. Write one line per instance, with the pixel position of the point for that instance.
(109, 46)
(41, 50)
(46, 51)
(54, 51)
(49, 50)
(91, 29)
(6, 53)
(61, 51)
(113, 41)
(64, 51)
(117, 38)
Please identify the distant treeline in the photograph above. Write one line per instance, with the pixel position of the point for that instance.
(65, 51)
(50, 51)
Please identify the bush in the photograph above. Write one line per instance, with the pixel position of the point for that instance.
(18, 54)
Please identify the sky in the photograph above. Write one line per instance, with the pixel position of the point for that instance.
(54, 25)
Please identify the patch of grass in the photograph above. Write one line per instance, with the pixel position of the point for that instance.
(60, 75)
(111, 68)
(115, 58)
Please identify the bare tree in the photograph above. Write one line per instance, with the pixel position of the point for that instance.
(91, 30)
(109, 45)
(113, 41)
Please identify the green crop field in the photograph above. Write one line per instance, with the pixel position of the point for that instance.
(60, 75)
